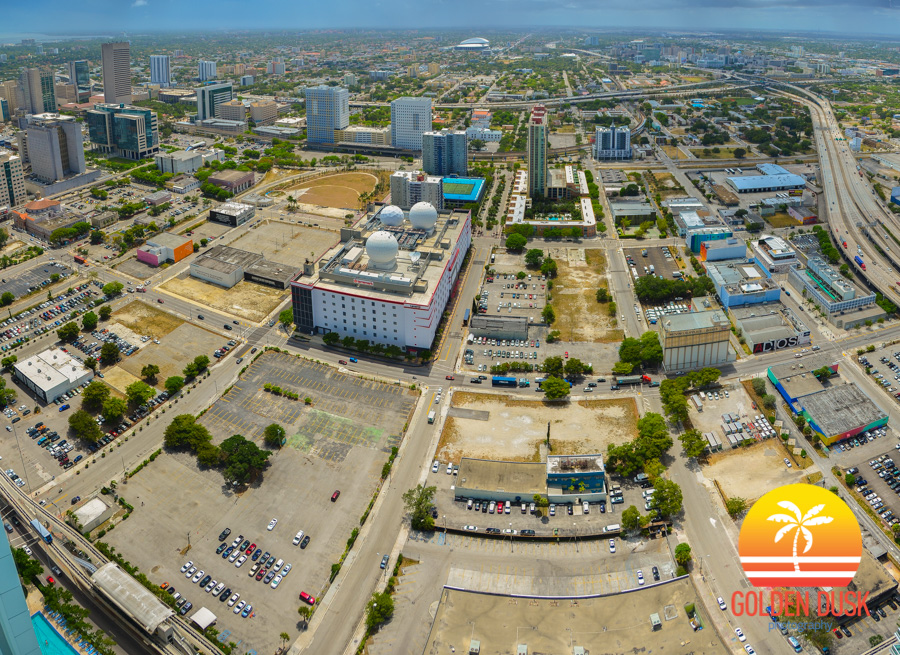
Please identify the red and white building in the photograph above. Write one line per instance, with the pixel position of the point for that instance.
(389, 281)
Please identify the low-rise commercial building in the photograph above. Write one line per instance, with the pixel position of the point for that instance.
(695, 340)
(181, 161)
(772, 178)
(232, 213)
(165, 247)
(770, 326)
(843, 302)
(183, 184)
(158, 198)
(51, 373)
(742, 283)
(378, 136)
(774, 253)
(232, 180)
(720, 249)
(226, 267)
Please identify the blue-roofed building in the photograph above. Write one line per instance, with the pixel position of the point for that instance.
(772, 169)
(459, 191)
(742, 282)
(773, 178)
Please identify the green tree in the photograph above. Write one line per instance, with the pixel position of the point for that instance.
(91, 363)
(534, 257)
(304, 612)
(759, 386)
(185, 432)
(139, 392)
(94, 395)
(652, 426)
(418, 504)
(602, 295)
(7, 299)
(109, 353)
(27, 567)
(113, 288)
(273, 435)
(631, 519)
(89, 321)
(286, 318)
(549, 268)
(515, 242)
(622, 368)
(331, 338)
(243, 459)
(114, 409)
(149, 371)
(668, 497)
(7, 362)
(379, 610)
(574, 367)
(84, 426)
(768, 401)
(105, 312)
(174, 384)
(735, 506)
(68, 332)
(693, 442)
(739, 153)
(548, 314)
(555, 388)
(850, 480)
(682, 554)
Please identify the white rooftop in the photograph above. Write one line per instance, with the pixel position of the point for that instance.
(129, 594)
(51, 368)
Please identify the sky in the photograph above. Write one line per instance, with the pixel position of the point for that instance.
(97, 17)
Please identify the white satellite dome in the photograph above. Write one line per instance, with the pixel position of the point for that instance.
(391, 215)
(423, 216)
(382, 249)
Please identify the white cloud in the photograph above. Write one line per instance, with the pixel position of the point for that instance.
(139, 3)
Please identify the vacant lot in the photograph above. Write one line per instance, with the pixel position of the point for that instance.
(514, 430)
(579, 317)
(143, 319)
(724, 153)
(287, 242)
(342, 190)
(245, 299)
(751, 472)
(665, 184)
(781, 219)
(174, 351)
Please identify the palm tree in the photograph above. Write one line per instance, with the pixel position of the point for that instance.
(799, 524)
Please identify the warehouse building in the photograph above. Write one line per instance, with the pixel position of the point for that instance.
(774, 253)
(165, 247)
(695, 340)
(772, 178)
(227, 266)
(499, 327)
(770, 326)
(390, 278)
(51, 373)
(742, 283)
(232, 180)
(720, 249)
(696, 238)
(232, 213)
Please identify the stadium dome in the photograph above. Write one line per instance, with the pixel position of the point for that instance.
(391, 215)
(476, 43)
(382, 249)
(423, 216)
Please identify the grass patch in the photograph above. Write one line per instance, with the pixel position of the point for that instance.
(781, 219)
(579, 316)
(724, 153)
(674, 152)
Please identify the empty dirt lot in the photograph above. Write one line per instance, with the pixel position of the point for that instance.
(502, 428)
(579, 317)
(342, 190)
(173, 352)
(751, 472)
(144, 319)
(245, 299)
(287, 242)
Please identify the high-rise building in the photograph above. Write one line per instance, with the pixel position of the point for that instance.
(123, 130)
(444, 153)
(116, 60)
(37, 91)
(410, 187)
(350, 79)
(210, 97)
(206, 70)
(434, 69)
(275, 68)
(80, 76)
(247, 80)
(537, 151)
(5, 115)
(327, 110)
(612, 143)
(159, 70)
(12, 183)
(410, 119)
(17, 635)
(9, 91)
(55, 146)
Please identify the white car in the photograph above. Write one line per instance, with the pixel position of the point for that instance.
(640, 576)
(435, 466)
(722, 605)
(449, 469)
(234, 555)
(219, 588)
(287, 569)
(276, 581)
(470, 528)
(199, 574)
(749, 649)
(190, 572)
(186, 566)
(233, 599)
(740, 634)
(272, 524)
(239, 606)
(612, 545)
(209, 587)
(298, 538)
(240, 562)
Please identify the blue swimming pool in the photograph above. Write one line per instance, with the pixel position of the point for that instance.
(50, 641)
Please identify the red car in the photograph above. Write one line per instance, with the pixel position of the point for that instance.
(450, 377)
(159, 300)
(342, 361)
(306, 598)
(251, 549)
(335, 495)
(262, 572)
(567, 354)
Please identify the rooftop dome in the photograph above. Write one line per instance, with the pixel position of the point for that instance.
(391, 215)
(382, 249)
(475, 41)
(423, 216)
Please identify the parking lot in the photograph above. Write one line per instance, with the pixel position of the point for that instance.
(884, 368)
(504, 294)
(34, 278)
(662, 259)
(878, 479)
(338, 443)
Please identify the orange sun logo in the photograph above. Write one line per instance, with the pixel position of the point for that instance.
(800, 535)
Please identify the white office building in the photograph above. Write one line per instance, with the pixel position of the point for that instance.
(612, 143)
(51, 373)
(410, 187)
(444, 153)
(410, 119)
(55, 146)
(327, 110)
(116, 61)
(206, 70)
(210, 97)
(160, 70)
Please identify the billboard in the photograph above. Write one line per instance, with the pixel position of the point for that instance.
(776, 344)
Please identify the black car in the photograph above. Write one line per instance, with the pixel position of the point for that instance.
(205, 580)
(881, 612)
(655, 572)
(492, 530)
(186, 608)
(265, 557)
(171, 590)
(200, 316)
(227, 327)
(527, 533)
(245, 545)
(305, 542)
(225, 594)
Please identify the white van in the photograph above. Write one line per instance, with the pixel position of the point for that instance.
(615, 527)
(649, 493)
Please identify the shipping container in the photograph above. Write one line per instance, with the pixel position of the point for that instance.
(499, 381)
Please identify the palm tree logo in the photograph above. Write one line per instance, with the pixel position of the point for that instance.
(801, 525)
